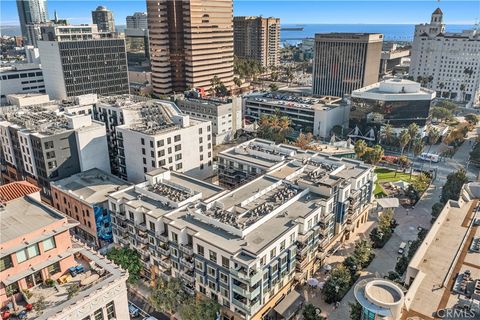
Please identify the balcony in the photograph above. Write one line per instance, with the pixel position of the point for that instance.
(165, 263)
(189, 290)
(124, 241)
(164, 251)
(188, 264)
(188, 276)
(142, 227)
(252, 277)
(187, 249)
(162, 237)
(246, 293)
(249, 308)
(141, 240)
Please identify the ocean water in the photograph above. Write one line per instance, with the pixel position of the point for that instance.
(391, 32)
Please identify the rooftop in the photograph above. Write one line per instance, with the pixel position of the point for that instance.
(24, 215)
(17, 189)
(394, 89)
(445, 258)
(91, 186)
(291, 100)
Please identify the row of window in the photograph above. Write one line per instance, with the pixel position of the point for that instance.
(27, 253)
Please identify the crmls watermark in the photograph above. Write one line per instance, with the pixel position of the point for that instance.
(457, 314)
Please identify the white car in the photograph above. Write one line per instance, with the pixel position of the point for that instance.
(150, 318)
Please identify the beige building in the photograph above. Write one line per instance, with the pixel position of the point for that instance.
(345, 62)
(258, 39)
(190, 43)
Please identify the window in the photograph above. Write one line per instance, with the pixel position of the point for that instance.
(263, 261)
(160, 143)
(223, 278)
(169, 140)
(142, 141)
(161, 153)
(198, 265)
(212, 285)
(176, 138)
(152, 226)
(225, 262)
(151, 144)
(174, 237)
(6, 263)
(211, 272)
(110, 310)
(282, 245)
(178, 166)
(98, 315)
(48, 244)
(213, 256)
(161, 163)
(200, 250)
(178, 156)
(54, 268)
(28, 253)
(178, 147)
(273, 253)
(200, 130)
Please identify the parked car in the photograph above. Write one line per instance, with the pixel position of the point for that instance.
(134, 311)
(401, 249)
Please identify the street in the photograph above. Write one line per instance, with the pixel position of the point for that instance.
(146, 310)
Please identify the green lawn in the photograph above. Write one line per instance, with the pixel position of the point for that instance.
(388, 175)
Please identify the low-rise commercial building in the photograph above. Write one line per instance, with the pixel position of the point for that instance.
(443, 276)
(392, 55)
(20, 78)
(397, 102)
(36, 249)
(317, 115)
(83, 196)
(225, 116)
(246, 248)
(47, 142)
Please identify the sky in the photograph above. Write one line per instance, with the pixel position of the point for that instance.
(289, 11)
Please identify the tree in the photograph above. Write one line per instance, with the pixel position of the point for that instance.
(471, 118)
(402, 265)
(413, 132)
(337, 130)
(404, 140)
(128, 259)
(360, 148)
(168, 296)
(373, 155)
(274, 127)
(73, 290)
(436, 209)
(356, 310)
(433, 135)
(303, 141)
(363, 252)
(385, 222)
(310, 312)
(273, 87)
(388, 134)
(192, 309)
(337, 285)
(237, 81)
(418, 146)
(40, 304)
(440, 113)
(447, 104)
(452, 188)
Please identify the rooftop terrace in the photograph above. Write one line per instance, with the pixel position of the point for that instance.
(291, 100)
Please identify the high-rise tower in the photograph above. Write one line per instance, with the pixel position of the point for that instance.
(103, 18)
(31, 12)
(191, 42)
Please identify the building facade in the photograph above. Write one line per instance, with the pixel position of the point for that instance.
(246, 248)
(20, 78)
(42, 144)
(103, 18)
(78, 60)
(136, 46)
(145, 134)
(189, 45)
(446, 62)
(83, 197)
(397, 102)
(344, 62)
(317, 115)
(380, 299)
(137, 21)
(31, 12)
(257, 38)
(225, 116)
(37, 248)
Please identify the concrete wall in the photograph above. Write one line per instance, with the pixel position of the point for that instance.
(52, 69)
(92, 148)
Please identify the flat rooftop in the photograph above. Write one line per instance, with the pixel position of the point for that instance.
(91, 186)
(22, 216)
(394, 89)
(292, 100)
(444, 254)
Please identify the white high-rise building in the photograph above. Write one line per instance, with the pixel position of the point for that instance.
(137, 21)
(446, 62)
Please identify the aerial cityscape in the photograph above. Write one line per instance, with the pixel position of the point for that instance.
(239, 160)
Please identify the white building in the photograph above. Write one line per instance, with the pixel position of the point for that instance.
(226, 116)
(137, 21)
(245, 248)
(20, 78)
(144, 134)
(317, 115)
(448, 63)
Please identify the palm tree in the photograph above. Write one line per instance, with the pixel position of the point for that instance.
(237, 81)
(388, 133)
(433, 136)
(360, 148)
(413, 132)
(403, 141)
(418, 146)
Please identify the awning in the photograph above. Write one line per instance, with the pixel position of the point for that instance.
(289, 305)
(388, 203)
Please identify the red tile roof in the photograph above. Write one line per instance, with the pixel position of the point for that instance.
(16, 190)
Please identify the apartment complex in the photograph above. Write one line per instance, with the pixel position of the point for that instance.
(245, 248)
(137, 21)
(36, 248)
(190, 43)
(397, 102)
(78, 60)
(20, 78)
(448, 260)
(145, 134)
(103, 18)
(447, 62)
(344, 62)
(41, 143)
(257, 38)
(225, 116)
(83, 197)
(31, 12)
(317, 115)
